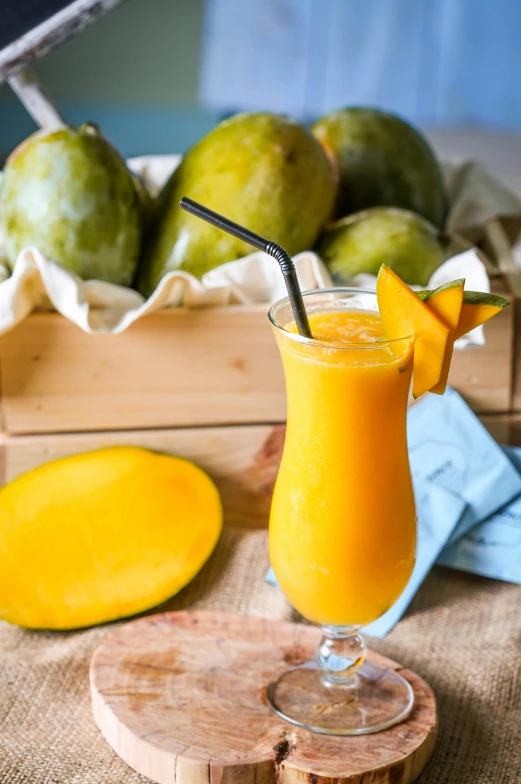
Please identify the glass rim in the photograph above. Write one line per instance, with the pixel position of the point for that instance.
(295, 336)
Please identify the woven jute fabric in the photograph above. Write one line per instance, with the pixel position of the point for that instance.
(462, 634)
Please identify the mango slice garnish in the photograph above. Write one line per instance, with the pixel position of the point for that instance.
(447, 302)
(404, 313)
(478, 307)
(435, 318)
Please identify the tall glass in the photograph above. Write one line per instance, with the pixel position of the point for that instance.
(343, 522)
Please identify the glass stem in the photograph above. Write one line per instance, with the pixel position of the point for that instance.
(340, 653)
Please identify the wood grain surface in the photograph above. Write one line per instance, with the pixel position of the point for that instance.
(175, 368)
(242, 460)
(183, 368)
(181, 698)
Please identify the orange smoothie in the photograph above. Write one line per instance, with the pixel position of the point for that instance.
(343, 521)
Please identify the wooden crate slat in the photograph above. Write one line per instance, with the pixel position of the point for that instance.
(174, 368)
(483, 374)
(243, 460)
(501, 427)
(182, 368)
(500, 235)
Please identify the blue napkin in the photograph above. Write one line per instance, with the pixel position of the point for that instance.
(449, 447)
(492, 548)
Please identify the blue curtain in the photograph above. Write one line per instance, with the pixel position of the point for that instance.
(437, 62)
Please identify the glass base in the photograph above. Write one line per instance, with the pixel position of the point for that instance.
(373, 699)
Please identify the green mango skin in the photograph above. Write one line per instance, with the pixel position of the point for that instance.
(263, 171)
(469, 297)
(146, 201)
(69, 193)
(426, 293)
(382, 161)
(383, 235)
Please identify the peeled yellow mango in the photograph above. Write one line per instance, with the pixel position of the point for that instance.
(404, 313)
(447, 302)
(102, 535)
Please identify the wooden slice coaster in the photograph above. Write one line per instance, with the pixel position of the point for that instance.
(181, 697)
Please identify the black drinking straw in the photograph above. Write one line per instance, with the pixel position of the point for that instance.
(271, 248)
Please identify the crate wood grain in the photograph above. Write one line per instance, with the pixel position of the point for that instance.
(174, 368)
(182, 368)
(483, 374)
(501, 235)
(242, 460)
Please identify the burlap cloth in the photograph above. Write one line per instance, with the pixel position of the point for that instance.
(462, 634)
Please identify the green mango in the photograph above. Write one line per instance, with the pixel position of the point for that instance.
(263, 171)
(146, 201)
(362, 242)
(382, 161)
(69, 193)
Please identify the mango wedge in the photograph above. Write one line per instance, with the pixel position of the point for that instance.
(478, 307)
(404, 313)
(447, 302)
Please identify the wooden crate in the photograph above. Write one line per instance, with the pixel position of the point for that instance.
(172, 369)
(242, 459)
(182, 368)
(205, 384)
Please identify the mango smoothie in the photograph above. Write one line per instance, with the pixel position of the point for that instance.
(343, 521)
